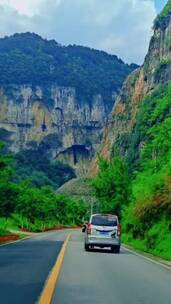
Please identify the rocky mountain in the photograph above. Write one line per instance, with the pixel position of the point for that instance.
(130, 120)
(137, 149)
(56, 99)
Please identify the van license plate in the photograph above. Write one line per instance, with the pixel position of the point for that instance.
(104, 232)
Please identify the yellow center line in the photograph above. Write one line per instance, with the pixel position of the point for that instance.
(47, 294)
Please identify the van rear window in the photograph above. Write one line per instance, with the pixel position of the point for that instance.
(104, 220)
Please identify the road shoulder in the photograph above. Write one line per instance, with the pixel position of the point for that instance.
(148, 256)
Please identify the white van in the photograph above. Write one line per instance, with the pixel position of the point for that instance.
(102, 231)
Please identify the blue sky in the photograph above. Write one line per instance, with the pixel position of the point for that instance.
(160, 4)
(121, 27)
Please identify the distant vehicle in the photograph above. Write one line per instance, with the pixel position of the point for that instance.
(103, 230)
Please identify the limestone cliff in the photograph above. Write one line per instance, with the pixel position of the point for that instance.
(121, 134)
(66, 130)
(56, 99)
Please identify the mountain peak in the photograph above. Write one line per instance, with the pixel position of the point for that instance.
(163, 18)
(166, 10)
(28, 35)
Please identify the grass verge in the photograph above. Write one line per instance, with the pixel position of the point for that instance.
(7, 236)
(162, 248)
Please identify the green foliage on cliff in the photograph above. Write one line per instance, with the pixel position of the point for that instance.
(27, 58)
(147, 219)
(164, 64)
(161, 20)
(166, 10)
(33, 207)
(35, 166)
(155, 108)
(146, 211)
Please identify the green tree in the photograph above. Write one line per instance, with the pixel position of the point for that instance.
(8, 191)
(112, 185)
(35, 206)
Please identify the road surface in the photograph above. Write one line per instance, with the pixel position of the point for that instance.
(100, 277)
(25, 265)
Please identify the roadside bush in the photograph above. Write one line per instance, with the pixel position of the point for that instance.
(112, 185)
(34, 207)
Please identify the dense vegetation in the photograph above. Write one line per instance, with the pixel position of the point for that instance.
(144, 198)
(41, 171)
(28, 179)
(31, 207)
(148, 217)
(154, 109)
(27, 58)
(167, 9)
(111, 185)
(166, 12)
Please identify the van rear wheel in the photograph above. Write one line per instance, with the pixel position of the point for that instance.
(115, 249)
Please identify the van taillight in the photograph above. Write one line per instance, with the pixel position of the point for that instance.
(89, 229)
(118, 229)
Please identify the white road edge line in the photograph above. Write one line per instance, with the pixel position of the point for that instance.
(147, 258)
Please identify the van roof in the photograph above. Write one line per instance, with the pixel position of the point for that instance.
(102, 214)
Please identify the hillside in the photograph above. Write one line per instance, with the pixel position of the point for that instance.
(56, 99)
(144, 99)
(27, 58)
(139, 133)
(78, 188)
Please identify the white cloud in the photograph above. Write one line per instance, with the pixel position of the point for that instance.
(27, 7)
(121, 27)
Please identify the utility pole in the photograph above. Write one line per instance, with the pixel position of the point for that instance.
(92, 205)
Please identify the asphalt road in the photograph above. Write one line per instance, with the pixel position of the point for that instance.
(24, 267)
(100, 277)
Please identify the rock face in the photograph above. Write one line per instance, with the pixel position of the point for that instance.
(120, 133)
(56, 99)
(67, 130)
